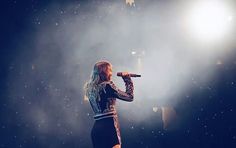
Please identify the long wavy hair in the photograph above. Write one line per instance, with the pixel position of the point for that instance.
(99, 74)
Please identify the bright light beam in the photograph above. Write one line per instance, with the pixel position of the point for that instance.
(209, 20)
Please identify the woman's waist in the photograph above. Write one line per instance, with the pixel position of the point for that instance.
(99, 116)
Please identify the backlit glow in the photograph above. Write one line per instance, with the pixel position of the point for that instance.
(209, 20)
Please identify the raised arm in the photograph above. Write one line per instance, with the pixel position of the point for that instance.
(117, 93)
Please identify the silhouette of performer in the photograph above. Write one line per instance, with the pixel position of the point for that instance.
(102, 94)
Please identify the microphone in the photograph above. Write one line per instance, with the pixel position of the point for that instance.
(120, 74)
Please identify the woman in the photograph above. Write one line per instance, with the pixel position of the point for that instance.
(102, 94)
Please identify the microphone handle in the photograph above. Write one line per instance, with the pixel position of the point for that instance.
(131, 75)
(134, 75)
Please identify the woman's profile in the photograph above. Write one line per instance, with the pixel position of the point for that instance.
(102, 94)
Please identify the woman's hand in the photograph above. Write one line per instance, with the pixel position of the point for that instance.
(125, 74)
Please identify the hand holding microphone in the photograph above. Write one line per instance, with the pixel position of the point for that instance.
(123, 74)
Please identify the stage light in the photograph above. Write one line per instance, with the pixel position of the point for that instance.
(209, 20)
(130, 2)
(133, 52)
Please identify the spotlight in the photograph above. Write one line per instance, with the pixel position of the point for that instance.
(209, 20)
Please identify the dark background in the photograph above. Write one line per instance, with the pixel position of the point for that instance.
(209, 112)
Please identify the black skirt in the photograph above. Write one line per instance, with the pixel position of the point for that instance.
(106, 133)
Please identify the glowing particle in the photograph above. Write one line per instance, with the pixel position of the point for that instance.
(32, 67)
(133, 52)
(155, 109)
(219, 62)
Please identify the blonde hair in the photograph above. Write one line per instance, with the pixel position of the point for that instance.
(99, 74)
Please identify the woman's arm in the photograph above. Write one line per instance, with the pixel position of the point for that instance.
(113, 91)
